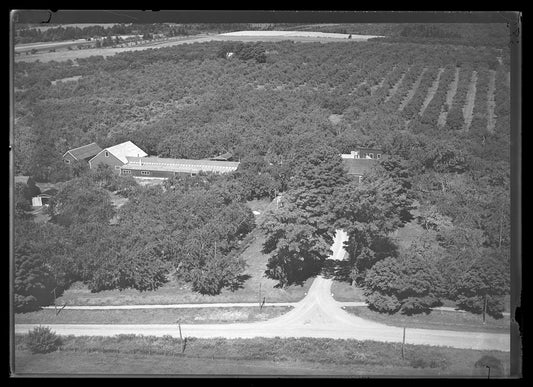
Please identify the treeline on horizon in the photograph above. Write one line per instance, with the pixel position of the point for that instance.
(474, 34)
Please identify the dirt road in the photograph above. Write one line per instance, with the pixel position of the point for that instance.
(317, 315)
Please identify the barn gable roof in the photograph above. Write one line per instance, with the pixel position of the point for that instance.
(84, 151)
(122, 150)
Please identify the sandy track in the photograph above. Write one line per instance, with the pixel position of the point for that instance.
(317, 315)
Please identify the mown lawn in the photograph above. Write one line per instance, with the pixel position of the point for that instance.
(437, 319)
(343, 291)
(154, 355)
(152, 316)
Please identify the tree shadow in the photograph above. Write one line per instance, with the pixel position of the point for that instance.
(238, 282)
(337, 270)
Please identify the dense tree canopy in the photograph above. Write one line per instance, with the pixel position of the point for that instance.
(286, 110)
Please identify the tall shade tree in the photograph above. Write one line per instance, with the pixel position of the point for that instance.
(34, 280)
(79, 202)
(410, 284)
(480, 288)
(300, 233)
(369, 212)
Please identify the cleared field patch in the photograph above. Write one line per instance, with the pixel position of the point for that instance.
(468, 107)
(153, 316)
(299, 34)
(68, 79)
(491, 102)
(431, 91)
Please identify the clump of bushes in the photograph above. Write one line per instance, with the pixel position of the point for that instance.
(42, 340)
(486, 362)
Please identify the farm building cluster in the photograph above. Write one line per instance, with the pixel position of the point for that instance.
(129, 160)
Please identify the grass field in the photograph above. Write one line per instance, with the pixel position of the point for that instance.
(437, 319)
(152, 316)
(154, 355)
(67, 363)
(343, 291)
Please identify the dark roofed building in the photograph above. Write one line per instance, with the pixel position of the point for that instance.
(85, 152)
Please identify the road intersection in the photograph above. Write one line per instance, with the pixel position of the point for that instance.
(316, 315)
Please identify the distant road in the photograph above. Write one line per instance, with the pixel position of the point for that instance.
(45, 45)
(316, 315)
(244, 36)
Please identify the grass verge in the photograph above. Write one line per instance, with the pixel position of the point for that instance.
(343, 291)
(107, 355)
(152, 316)
(437, 319)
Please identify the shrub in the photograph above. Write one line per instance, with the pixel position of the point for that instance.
(428, 362)
(487, 361)
(42, 340)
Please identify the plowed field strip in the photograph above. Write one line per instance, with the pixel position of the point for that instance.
(431, 91)
(468, 107)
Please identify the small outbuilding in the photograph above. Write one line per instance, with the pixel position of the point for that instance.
(43, 198)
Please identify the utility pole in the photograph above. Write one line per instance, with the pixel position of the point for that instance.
(484, 308)
(403, 344)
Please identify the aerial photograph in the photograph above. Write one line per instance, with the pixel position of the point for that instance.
(262, 199)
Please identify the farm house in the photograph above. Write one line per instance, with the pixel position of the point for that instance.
(115, 156)
(85, 152)
(164, 168)
(360, 161)
(363, 153)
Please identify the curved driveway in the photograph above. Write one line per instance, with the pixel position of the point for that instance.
(317, 315)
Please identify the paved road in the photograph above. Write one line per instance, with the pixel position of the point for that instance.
(317, 315)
